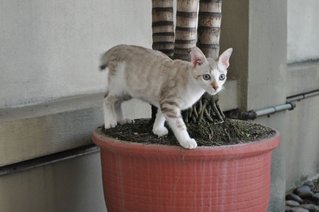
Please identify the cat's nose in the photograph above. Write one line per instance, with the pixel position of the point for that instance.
(215, 86)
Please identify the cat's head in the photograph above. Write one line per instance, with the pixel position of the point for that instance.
(210, 74)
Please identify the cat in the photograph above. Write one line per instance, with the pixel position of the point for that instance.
(170, 85)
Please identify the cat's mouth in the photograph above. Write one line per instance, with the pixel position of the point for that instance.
(212, 91)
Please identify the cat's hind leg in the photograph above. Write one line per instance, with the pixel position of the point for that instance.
(110, 117)
(119, 113)
(158, 128)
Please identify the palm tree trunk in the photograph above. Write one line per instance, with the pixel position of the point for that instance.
(209, 22)
(192, 17)
(163, 26)
(186, 28)
(163, 31)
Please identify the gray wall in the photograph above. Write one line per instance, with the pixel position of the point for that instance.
(51, 95)
(74, 185)
(52, 48)
(301, 132)
(302, 40)
(49, 58)
(261, 33)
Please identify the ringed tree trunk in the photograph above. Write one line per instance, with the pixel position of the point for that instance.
(186, 28)
(163, 31)
(209, 23)
(203, 27)
(163, 26)
(196, 20)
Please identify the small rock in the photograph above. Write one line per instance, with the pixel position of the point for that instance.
(311, 184)
(311, 207)
(294, 197)
(298, 209)
(292, 203)
(287, 208)
(316, 196)
(303, 191)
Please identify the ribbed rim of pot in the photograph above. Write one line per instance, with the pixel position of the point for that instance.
(202, 152)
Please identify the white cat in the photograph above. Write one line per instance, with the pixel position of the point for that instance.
(170, 85)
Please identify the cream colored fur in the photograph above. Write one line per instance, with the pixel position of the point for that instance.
(170, 85)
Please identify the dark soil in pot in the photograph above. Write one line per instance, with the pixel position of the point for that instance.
(227, 133)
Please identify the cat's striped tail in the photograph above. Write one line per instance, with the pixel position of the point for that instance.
(104, 61)
(102, 67)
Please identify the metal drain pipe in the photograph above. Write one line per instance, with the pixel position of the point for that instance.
(289, 105)
(299, 97)
(48, 159)
(275, 109)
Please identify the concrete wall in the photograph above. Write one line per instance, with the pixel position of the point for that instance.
(301, 143)
(51, 94)
(303, 34)
(52, 48)
(301, 136)
(74, 185)
(258, 32)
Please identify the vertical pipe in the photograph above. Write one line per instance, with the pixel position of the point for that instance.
(186, 28)
(209, 22)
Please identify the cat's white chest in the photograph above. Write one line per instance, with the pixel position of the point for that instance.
(191, 96)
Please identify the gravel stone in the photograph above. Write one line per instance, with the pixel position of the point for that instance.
(316, 196)
(298, 209)
(311, 207)
(304, 191)
(292, 203)
(307, 196)
(287, 208)
(294, 197)
(311, 184)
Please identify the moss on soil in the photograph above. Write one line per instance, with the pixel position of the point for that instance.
(229, 132)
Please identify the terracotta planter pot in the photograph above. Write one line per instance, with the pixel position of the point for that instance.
(148, 177)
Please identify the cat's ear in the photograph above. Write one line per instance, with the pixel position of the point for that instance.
(197, 57)
(224, 58)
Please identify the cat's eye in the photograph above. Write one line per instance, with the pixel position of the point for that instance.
(222, 77)
(206, 77)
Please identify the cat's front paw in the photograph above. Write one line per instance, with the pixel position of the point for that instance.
(161, 131)
(189, 143)
(110, 124)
